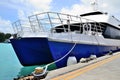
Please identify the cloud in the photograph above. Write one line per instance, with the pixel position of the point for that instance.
(111, 6)
(31, 6)
(28, 7)
(21, 14)
(84, 6)
(77, 9)
(81, 7)
(5, 26)
(40, 4)
(24, 9)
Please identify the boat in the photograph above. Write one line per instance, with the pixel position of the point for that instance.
(94, 33)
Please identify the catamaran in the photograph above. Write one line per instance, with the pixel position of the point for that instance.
(94, 33)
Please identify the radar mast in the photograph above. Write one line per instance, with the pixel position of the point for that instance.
(94, 5)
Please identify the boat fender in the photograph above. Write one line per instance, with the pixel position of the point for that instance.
(110, 52)
(83, 60)
(93, 57)
(71, 60)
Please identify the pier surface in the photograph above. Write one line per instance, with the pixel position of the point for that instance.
(104, 68)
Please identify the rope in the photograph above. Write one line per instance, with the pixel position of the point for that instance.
(63, 56)
(44, 72)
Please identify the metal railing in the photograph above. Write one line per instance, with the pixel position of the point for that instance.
(21, 26)
(52, 23)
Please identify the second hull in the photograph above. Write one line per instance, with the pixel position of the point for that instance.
(32, 51)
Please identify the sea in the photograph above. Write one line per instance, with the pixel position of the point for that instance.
(10, 66)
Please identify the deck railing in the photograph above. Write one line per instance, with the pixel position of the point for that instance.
(50, 22)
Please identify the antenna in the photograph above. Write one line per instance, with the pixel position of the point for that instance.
(94, 5)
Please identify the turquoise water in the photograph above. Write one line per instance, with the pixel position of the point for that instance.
(10, 66)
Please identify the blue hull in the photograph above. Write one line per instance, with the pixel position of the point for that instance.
(32, 51)
(59, 49)
(38, 51)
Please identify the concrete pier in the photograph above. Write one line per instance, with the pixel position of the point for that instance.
(104, 68)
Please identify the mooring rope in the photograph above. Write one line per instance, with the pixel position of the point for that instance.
(46, 67)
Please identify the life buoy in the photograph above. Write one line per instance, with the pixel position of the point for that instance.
(87, 27)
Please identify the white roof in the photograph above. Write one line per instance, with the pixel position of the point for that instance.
(103, 17)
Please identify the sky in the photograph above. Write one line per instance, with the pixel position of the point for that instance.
(12, 10)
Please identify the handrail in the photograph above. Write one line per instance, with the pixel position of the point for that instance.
(49, 20)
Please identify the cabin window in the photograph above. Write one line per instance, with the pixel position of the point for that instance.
(112, 32)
